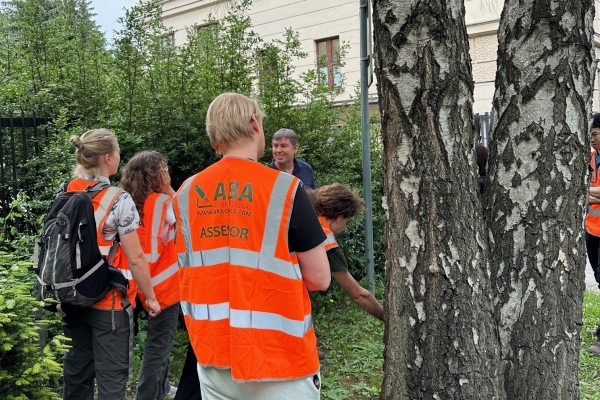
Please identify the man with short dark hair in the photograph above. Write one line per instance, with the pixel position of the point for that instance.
(285, 147)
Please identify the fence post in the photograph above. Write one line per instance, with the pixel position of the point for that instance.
(23, 139)
(36, 147)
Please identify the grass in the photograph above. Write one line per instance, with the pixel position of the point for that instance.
(353, 344)
(589, 365)
(351, 339)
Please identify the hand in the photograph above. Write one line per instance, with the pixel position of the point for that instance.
(165, 177)
(153, 306)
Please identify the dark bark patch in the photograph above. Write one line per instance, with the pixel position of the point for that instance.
(529, 92)
(399, 39)
(516, 180)
(390, 18)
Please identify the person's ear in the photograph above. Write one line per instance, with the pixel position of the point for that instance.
(256, 125)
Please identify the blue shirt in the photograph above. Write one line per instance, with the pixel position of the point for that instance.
(302, 171)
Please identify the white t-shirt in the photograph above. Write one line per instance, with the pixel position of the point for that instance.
(169, 221)
(123, 217)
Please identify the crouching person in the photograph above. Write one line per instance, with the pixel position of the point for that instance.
(336, 205)
(249, 247)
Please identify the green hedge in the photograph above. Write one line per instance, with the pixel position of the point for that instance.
(26, 372)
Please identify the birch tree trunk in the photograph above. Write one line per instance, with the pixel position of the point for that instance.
(440, 339)
(536, 201)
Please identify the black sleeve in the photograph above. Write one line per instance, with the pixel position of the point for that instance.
(305, 232)
(337, 260)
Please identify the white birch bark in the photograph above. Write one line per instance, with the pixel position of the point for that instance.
(441, 340)
(536, 201)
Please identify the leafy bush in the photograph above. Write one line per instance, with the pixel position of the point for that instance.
(25, 371)
(155, 96)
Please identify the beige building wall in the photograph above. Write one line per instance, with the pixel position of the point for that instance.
(312, 19)
(482, 18)
(318, 19)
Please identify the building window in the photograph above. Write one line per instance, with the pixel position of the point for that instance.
(169, 40)
(328, 61)
(210, 30)
(208, 38)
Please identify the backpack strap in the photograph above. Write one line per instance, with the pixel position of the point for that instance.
(92, 191)
(113, 249)
(62, 188)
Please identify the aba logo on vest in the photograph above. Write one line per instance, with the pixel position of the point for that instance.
(224, 191)
(228, 198)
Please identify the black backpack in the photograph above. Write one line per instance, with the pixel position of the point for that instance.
(68, 264)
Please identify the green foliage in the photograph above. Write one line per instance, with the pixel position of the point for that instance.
(155, 96)
(25, 371)
(53, 58)
(336, 156)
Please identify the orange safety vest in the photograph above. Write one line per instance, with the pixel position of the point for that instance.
(242, 295)
(102, 204)
(330, 242)
(162, 259)
(592, 219)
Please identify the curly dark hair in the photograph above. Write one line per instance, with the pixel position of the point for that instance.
(141, 176)
(336, 200)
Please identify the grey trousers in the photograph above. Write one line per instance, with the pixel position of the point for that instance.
(153, 380)
(97, 352)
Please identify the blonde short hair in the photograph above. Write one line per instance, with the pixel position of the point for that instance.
(228, 119)
(90, 147)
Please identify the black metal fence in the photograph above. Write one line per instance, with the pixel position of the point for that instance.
(21, 137)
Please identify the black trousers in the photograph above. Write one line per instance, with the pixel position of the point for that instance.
(189, 384)
(592, 245)
(97, 351)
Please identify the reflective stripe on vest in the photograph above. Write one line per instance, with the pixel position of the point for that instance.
(161, 256)
(126, 273)
(241, 257)
(330, 242)
(157, 219)
(247, 319)
(165, 274)
(101, 213)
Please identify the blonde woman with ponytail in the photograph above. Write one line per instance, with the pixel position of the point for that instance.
(101, 336)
